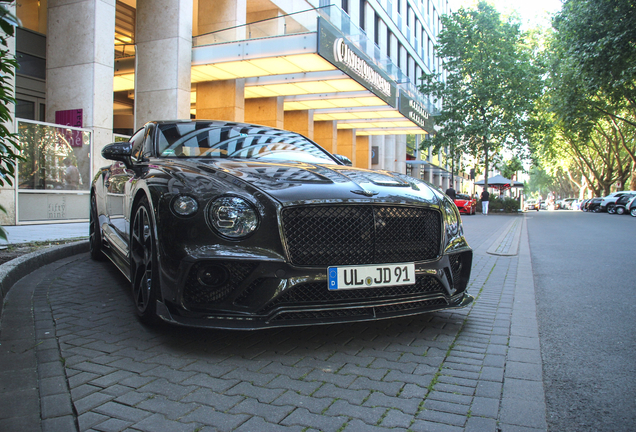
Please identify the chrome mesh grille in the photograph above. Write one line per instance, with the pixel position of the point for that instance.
(361, 234)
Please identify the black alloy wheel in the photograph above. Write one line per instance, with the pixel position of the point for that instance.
(611, 208)
(143, 263)
(94, 232)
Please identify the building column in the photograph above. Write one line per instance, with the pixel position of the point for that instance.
(363, 152)
(347, 144)
(301, 122)
(400, 154)
(221, 100)
(389, 152)
(80, 67)
(326, 134)
(265, 111)
(378, 141)
(164, 59)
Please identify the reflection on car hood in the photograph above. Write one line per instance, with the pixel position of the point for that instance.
(298, 182)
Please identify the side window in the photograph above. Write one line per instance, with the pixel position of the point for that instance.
(137, 142)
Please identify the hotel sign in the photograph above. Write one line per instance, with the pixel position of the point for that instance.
(416, 112)
(333, 47)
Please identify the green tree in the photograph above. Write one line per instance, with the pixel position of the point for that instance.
(9, 148)
(490, 86)
(591, 102)
(510, 167)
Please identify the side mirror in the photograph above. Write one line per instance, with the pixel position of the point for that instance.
(119, 151)
(343, 159)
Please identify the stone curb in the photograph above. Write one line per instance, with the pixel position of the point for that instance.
(14, 270)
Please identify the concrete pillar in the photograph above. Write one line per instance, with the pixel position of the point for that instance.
(347, 144)
(301, 122)
(389, 152)
(164, 56)
(400, 153)
(221, 100)
(326, 134)
(265, 111)
(363, 152)
(80, 65)
(378, 141)
(221, 14)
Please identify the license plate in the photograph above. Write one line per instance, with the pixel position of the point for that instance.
(370, 276)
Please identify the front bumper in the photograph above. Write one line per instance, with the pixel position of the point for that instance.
(266, 294)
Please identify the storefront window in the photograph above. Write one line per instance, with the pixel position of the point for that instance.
(57, 157)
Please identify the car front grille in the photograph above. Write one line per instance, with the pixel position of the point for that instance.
(317, 293)
(361, 234)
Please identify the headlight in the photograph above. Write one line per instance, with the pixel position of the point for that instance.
(233, 217)
(453, 223)
(185, 205)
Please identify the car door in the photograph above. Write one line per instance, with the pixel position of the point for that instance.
(117, 184)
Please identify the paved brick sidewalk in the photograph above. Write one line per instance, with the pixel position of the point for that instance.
(75, 358)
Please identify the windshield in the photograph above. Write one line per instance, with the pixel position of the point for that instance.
(203, 140)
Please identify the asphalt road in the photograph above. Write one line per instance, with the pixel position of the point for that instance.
(584, 266)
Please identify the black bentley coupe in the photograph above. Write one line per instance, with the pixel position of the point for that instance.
(241, 226)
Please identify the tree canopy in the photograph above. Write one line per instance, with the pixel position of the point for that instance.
(590, 104)
(491, 82)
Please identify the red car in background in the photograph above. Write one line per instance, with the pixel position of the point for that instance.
(466, 204)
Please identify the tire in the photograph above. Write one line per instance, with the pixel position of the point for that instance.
(611, 209)
(94, 232)
(620, 210)
(144, 271)
(633, 211)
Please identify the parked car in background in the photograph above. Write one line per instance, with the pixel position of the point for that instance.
(531, 205)
(608, 202)
(594, 205)
(466, 204)
(631, 207)
(619, 207)
(239, 226)
(567, 203)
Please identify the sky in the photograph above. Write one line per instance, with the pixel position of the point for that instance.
(531, 12)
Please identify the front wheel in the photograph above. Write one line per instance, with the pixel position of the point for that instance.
(143, 263)
(633, 211)
(620, 210)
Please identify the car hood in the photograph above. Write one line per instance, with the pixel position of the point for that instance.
(293, 183)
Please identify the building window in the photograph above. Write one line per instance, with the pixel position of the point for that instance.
(345, 6)
(376, 28)
(363, 24)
